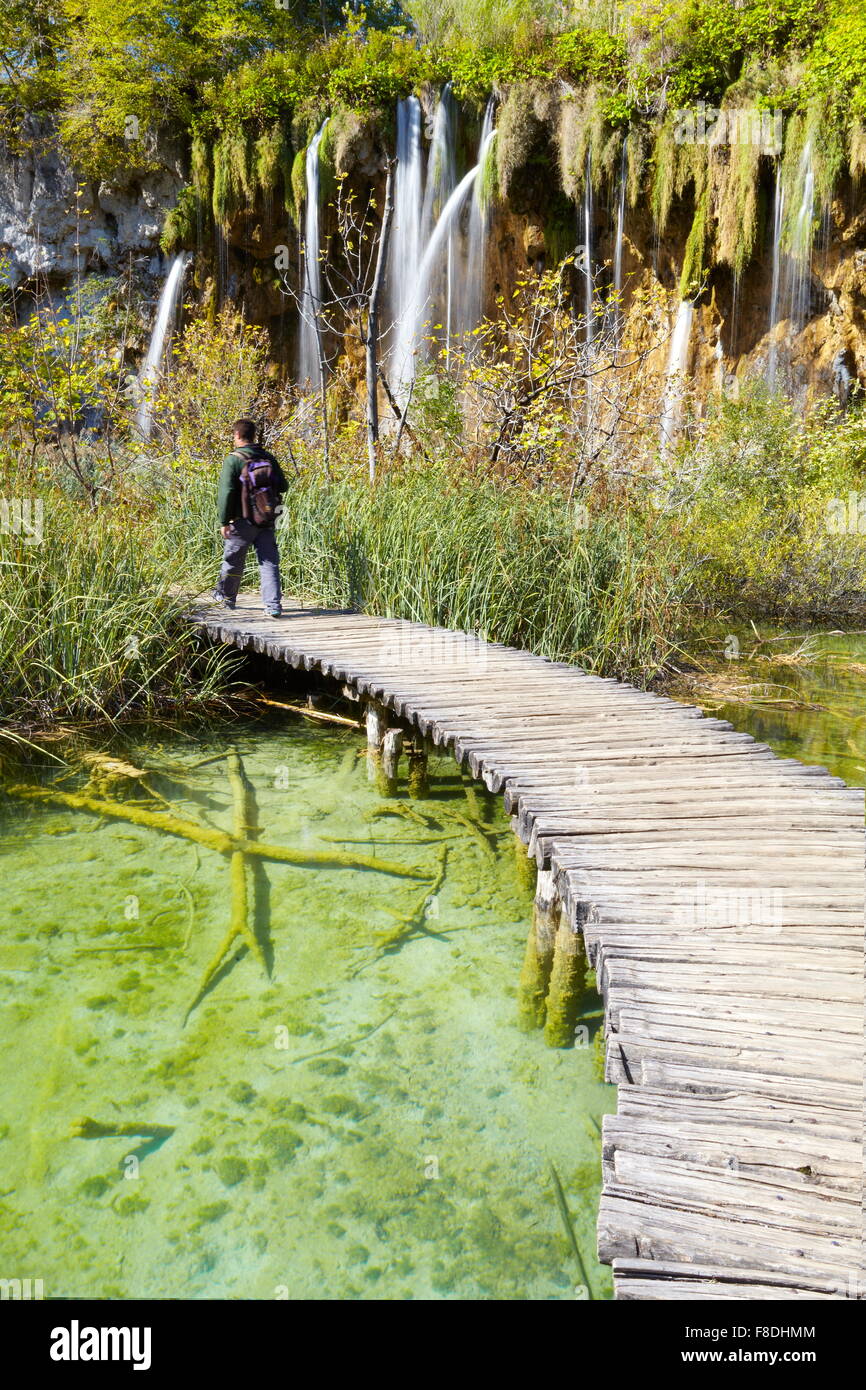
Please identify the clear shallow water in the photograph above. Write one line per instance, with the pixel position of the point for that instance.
(368, 1123)
(801, 692)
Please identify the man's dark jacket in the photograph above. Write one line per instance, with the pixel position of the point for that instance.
(229, 502)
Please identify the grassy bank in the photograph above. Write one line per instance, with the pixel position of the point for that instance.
(91, 612)
(601, 587)
(90, 625)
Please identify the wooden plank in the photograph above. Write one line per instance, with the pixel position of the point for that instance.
(720, 892)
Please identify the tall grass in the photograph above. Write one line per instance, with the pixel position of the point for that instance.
(524, 568)
(90, 624)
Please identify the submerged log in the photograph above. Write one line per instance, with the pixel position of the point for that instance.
(85, 1128)
(243, 823)
(217, 840)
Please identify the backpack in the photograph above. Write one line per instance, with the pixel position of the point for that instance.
(259, 497)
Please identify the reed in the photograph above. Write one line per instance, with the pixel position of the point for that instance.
(90, 623)
(480, 556)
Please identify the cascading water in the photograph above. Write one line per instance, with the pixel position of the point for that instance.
(417, 303)
(165, 315)
(309, 359)
(620, 231)
(588, 282)
(793, 233)
(473, 299)
(775, 284)
(678, 361)
(800, 243)
(441, 178)
(406, 242)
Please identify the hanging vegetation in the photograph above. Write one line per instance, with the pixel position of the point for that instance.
(181, 223)
(520, 132)
(736, 176)
(692, 275)
(857, 150)
(233, 187)
(583, 132)
(201, 168)
(637, 150)
(296, 189)
(272, 159)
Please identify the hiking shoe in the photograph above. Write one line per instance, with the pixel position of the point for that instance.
(276, 612)
(221, 599)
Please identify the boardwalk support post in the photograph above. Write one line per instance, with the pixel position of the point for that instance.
(377, 724)
(419, 783)
(392, 747)
(526, 864)
(567, 985)
(538, 961)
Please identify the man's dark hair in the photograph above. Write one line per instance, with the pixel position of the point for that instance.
(246, 429)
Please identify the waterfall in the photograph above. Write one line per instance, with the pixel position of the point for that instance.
(309, 360)
(800, 243)
(406, 240)
(678, 362)
(165, 315)
(778, 221)
(588, 285)
(441, 178)
(473, 299)
(420, 292)
(791, 284)
(620, 227)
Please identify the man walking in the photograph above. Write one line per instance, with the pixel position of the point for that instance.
(251, 486)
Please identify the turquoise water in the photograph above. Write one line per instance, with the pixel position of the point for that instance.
(802, 692)
(368, 1122)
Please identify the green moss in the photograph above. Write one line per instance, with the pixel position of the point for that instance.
(567, 988)
(204, 1145)
(598, 1054)
(181, 223)
(96, 1186)
(232, 1170)
(212, 1211)
(101, 1001)
(534, 981)
(132, 1204)
(329, 1066)
(271, 158)
(259, 1168)
(200, 159)
(242, 1093)
(281, 1142)
(692, 275)
(233, 182)
(737, 184)
(296, 189)
(488, 185)
(341, 1106)
(519, 132)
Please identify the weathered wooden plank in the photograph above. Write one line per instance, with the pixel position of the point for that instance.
(720, 891)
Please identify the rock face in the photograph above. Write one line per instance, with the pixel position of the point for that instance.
(46, 229)
(54, 224)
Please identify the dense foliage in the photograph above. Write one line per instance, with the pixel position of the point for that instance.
(118, 74)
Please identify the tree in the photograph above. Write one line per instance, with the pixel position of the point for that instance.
(352, 274)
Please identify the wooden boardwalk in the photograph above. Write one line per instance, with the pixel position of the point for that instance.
(720, 890)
